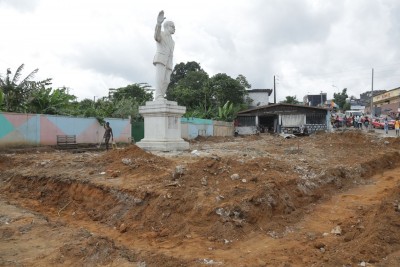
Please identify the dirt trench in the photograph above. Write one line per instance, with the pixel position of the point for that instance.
(217, 210)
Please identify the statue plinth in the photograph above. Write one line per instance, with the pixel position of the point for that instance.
(162, 126)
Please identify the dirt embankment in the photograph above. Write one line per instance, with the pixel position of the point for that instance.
(253, 201)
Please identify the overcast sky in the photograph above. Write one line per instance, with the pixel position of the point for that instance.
(311, 46)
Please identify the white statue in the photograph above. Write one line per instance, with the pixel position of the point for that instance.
(163, 58)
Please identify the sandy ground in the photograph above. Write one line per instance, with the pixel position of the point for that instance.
(329, 199)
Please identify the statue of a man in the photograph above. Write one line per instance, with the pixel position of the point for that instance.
(163, 58)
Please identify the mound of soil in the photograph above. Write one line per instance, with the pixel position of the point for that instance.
(331, 198)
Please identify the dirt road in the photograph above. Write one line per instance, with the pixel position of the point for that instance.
(323, 200)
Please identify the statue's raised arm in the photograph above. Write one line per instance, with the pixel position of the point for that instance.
(160, 20)
(164, 54)
(160, 17)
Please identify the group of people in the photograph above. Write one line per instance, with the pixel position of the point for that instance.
(356, 121)
(396, 126)
(359, 121)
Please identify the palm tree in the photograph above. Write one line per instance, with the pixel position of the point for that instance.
(15, 94)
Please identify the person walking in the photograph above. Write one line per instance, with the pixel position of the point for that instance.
(366, 123)
(397, 126)
(359, 121)
(386, 125)
(108, 134)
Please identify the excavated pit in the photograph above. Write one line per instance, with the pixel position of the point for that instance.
(128, 206)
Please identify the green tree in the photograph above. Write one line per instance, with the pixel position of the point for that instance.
(85, 108)
(224, 88)
(346, 106)
(127, 107)
(340, 98)
(139, 92)
(49, 101)
(16, 93)
(243, 81)
(191, 90)
(227, 112)
(291, 100)
(101, 108)
(1, 100)
(181, 70)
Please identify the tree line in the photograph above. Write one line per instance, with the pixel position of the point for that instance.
(217, 97)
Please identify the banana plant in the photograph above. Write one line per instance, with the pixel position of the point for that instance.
(227, 112)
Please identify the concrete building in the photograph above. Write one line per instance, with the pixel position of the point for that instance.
(315, 100)
(260, 97)
(281, 117)
(387, 103)
(365, 98)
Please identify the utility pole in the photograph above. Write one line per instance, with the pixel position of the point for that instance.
(274, 91)
(372, 91)
(322, 101)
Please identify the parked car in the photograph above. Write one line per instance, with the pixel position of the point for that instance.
(380, 123)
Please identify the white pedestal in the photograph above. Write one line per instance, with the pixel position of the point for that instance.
(162, 126)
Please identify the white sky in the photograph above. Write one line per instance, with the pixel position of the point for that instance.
(310, 45)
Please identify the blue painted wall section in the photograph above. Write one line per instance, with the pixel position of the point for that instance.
(39, 129)
(198, 127)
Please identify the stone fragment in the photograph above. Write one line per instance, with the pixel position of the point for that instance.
(235, 176)
(337, 230)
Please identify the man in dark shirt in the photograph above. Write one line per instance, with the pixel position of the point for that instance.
(107, 134)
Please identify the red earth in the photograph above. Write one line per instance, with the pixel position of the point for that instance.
(329, 199)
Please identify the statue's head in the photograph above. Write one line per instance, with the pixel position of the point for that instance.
(169, 26)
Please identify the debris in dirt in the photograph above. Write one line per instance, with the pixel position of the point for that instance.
(219, 198)
(178, 172)
(102, 173)
(209, 262)
(222, 212)
(123, 228)
(204, 181)
(235, 176)
(287, 136)
(215, 157)
(195, 153)
(126, 161)
(273, 234)
(64, 207)
(397, 207)
(337, 230)
(319, 245)
(175, 183)
(44, 163)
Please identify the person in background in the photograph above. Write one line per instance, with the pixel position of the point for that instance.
(397, 126)
(359, 120)
(386, 125)
(107, 134)
(366, 122)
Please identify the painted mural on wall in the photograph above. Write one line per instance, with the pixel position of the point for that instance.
(38, 129)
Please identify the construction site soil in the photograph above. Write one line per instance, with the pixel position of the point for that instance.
(328, 199)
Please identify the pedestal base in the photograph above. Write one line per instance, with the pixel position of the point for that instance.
(163, 145)
(162, 126)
